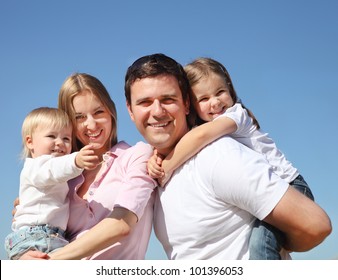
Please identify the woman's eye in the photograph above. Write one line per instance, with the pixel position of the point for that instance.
(99, 112)
(79, 117)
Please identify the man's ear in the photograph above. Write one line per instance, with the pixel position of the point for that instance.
(130, 112)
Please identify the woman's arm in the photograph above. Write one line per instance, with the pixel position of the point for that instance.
(107, 232)
(195, 140)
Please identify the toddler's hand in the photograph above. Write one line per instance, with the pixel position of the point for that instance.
(86, 158)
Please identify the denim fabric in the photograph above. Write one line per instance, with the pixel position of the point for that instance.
(266, 241)
(300, 184)
(42, 238)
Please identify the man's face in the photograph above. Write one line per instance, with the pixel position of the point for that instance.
(158, 110)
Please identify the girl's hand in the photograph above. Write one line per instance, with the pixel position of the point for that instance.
(164, 179)
(154, 166)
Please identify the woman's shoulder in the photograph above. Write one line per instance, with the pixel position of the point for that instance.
(142, 147)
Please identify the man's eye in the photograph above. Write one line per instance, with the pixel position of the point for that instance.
(143, 103)
(168, 101)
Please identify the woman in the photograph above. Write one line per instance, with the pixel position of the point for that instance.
(112, 203)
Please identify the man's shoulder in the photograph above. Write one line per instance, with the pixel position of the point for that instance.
(225, 149)
(224, 142)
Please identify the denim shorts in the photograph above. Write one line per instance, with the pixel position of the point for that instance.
(266, 241)
(44, 238)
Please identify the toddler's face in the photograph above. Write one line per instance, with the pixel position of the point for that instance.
(50, 141)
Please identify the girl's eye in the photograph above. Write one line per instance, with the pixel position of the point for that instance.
(51, 136)
(66, 139)
(223, 91)
(204, 99)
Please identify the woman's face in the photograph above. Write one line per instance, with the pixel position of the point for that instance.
(93, 121)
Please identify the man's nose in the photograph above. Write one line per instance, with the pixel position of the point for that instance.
(157, 108)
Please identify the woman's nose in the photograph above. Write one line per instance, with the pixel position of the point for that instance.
(90, 122)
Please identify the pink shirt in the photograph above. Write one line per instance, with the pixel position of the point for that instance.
(124, 183)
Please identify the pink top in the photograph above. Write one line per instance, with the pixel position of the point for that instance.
(124, 183)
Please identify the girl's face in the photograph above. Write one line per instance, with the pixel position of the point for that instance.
(93, 121)
(211, 97)
(50, 141)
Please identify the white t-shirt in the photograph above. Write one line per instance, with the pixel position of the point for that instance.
(255, 139)
(207, 209)
(43, 191)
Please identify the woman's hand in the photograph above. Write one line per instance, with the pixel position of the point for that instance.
(34, 255)
(16, 202)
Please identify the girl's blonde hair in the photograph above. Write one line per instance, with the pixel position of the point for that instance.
(76, 84)
(201, 68)
(42, 117)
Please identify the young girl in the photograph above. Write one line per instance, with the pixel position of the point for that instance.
(41, 218)
(220, 112)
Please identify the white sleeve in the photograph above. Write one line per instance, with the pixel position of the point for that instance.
(47, 170)
(241, 117)
(243, 178)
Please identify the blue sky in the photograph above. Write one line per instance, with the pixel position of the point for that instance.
(282, 56)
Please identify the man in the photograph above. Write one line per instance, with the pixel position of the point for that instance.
(208, 207)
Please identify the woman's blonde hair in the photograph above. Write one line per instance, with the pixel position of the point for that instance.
(76, 84)
(201, 68)
(42, 117)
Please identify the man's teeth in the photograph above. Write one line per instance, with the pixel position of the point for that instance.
(159, 125)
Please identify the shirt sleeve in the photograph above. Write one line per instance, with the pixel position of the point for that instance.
(47, 170)
(137, 184)
(243, 178)
(241, 117)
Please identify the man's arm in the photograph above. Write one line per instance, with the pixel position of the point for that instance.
(305, 224)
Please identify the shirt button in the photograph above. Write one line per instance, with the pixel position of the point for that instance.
(91, 215)
(91, 192)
